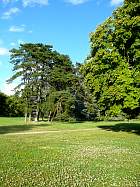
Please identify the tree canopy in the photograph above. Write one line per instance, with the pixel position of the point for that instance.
(49, 81)
(106, 86)
(112, 71)
(11, 106)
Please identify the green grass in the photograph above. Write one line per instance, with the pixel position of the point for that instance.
(107, 154)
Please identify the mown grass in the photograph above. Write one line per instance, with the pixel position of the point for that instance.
(108, 154)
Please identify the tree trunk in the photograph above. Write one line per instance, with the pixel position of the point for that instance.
(30, 117)
(36, 117)
(49, 117)
(38, 114)
(42, 116)
(54, 113)
(26, 116)
(38, 103)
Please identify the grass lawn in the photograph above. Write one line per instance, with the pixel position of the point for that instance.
(87, 154)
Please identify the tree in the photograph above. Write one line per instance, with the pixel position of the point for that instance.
(32, 63)
(63, 96)
(3, 105)
(60, 106)
(112, 71)
(49, 81)
(15, 106)
(11, 106)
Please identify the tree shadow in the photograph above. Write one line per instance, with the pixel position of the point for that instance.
(76, 122)
(19, 128)
(124, 127)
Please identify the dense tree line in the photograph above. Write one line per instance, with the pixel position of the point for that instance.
(112, 71)
(105, 87)
(50, 84)
(11, 106)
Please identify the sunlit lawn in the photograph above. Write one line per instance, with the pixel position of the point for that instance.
(75, 154)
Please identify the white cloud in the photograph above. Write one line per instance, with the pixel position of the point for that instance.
(17, 28)
(8, 89)
(10, 12)
(76, 2)
(116, 2)
(34, 2)
(26, 3)
(3, 51)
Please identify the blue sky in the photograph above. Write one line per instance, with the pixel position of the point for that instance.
(65, 24)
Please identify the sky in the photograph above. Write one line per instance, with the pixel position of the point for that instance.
(65, 24)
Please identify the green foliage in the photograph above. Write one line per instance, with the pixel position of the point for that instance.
(11, 106)
(3, 104)
(48, 80)
(60, 105)
(15, 106)
(112, 71)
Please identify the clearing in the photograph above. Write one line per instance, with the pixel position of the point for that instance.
(85, 154)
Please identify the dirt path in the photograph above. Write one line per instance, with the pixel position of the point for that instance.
(52, 131)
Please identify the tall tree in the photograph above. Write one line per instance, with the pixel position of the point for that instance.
(112, 71)
(32, 62)
(48, 78)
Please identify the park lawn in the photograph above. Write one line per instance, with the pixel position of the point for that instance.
(14, 125)
(84, 154)
(17, 124)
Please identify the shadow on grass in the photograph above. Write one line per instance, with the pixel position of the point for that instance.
(19, 128)
(74, 122)
(125, 127)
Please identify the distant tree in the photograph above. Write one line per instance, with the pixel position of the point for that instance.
(62, 100)
(60, 106)
(79, 94)
(15, 106)
(112, 71)
(3, 105)
(11, 106)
